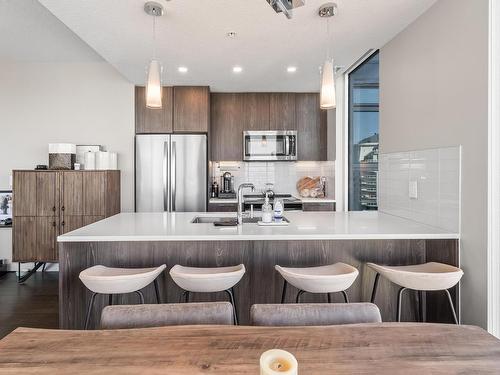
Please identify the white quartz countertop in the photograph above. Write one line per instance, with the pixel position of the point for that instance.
(303, 226)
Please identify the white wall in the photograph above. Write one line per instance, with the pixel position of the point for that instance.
(434, 93)
(83, 103)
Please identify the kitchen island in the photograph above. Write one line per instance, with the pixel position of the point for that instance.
(311, 239)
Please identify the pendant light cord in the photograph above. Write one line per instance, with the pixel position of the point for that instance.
(328, 55)
(154, 34)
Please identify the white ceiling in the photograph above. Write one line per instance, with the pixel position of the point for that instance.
(193, 34)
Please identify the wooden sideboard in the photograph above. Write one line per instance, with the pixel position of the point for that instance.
(49, 203)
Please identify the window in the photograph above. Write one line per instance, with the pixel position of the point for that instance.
(363, 135)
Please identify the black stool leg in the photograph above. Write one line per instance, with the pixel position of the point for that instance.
(400, 295)
(157, 291)
(283, 293)
(420, 306)
(89, 310)
(329, 297)
(298, 296)
(141, 296)
(375, 286)
(110, 299)
(452, 307)
(346, 298)
(230, 292)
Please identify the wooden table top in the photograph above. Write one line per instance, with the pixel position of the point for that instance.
(387, 348)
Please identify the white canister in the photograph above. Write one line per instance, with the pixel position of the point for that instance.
(278, 362)
(113, 160)
(102, 160)
(89, 161)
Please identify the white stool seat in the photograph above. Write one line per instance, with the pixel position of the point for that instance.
(324, 279)
(423, 277)
(207, 280)
(106, 280)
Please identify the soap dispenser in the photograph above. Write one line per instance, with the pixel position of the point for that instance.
(278, 210)
(267, 211)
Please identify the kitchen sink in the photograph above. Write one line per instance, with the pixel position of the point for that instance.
(226, 219)
(211, 219)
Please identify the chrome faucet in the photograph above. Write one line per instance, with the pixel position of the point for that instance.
(240, 200)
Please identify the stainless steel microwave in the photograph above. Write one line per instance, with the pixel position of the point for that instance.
(270, 145)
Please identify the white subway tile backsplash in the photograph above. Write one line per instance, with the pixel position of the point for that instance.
(436, 173)
(284, 175)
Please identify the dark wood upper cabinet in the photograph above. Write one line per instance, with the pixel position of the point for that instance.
(226, 126)
(191, 109)
(255, 111)
(72, 193)
(282, 111)
(24, 184)
(311, 127)
(47, 189)
(149, 120)
(94, 188)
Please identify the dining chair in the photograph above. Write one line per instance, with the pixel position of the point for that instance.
(172, 314)
(314, 314)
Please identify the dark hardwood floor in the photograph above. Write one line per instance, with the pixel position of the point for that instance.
(32, 304)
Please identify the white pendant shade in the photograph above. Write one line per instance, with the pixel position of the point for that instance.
(327, 96)
(153, 85)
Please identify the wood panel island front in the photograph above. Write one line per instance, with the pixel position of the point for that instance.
(311, 239)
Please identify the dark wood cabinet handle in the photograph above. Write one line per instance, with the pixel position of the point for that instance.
(62, 208)
(54, 208)
(53, 223)
(62, 223)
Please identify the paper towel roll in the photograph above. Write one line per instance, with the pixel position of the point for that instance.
(113, 160)
(102, 160)
(278, 362)
(89, 161)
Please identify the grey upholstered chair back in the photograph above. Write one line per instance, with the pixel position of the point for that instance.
(314, 314)
(142, 316)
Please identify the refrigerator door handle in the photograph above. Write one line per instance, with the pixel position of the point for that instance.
(173, 173)
(165, 177)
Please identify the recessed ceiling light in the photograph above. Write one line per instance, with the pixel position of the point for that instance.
(291, 69)
(182, 69)
(231, 34)
(237, 69)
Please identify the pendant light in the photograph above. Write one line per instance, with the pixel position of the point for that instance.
(327, 94)
(153, 83)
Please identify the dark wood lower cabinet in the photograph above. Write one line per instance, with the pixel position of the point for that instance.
(318, 206)
(87, 220)
(261, 283)
(222, 207)
(24, 238)
(70, 223)
(46, 233)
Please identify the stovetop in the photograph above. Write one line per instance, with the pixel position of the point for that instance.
(259, 198)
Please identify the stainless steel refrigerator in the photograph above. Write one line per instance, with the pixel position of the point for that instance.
(171, 173)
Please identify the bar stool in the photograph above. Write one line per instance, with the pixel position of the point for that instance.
(208, 280)
(425, 277)
(328, 279)
(107, 280)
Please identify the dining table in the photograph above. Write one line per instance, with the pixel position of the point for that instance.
(381, 348)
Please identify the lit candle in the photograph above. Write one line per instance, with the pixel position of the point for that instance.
(276, 362)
